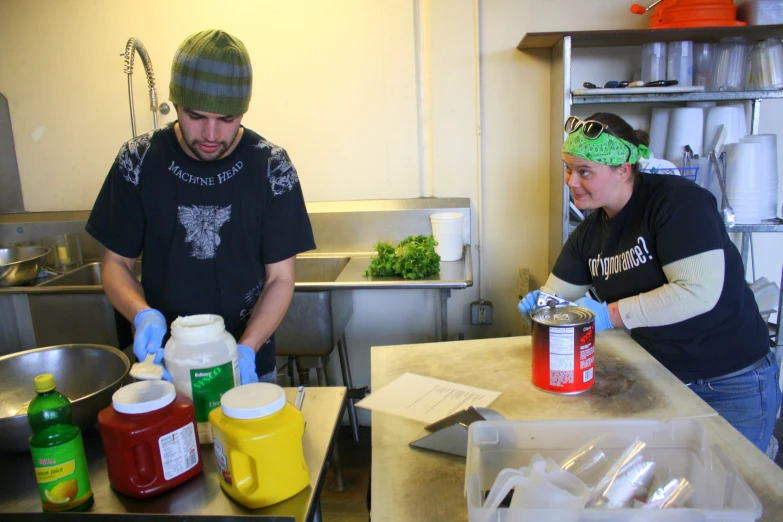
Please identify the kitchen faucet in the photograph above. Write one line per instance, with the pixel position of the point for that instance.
(131, 48)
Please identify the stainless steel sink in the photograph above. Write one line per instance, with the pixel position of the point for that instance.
(319, 269)
(316, 318)
(308, 270)
(86, 275)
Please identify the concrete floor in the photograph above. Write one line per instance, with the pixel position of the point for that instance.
(351, 504)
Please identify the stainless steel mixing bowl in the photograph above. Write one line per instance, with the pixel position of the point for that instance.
(88, 374)
(20, 264)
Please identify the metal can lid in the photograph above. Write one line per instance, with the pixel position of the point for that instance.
(563, 315)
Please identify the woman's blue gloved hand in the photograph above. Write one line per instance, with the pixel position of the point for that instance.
(601, 311)
(528, 304)
(151, 328)
(247, 364)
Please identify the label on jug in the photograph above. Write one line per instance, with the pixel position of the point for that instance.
(209, 384)
(178, 451)
(222, 461)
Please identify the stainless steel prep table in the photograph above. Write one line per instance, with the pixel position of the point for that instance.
(454, 275)
(412, 484)
(201, 498)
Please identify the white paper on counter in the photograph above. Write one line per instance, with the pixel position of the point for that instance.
(425, 399)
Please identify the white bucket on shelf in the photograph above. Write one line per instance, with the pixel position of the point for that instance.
(447, 230)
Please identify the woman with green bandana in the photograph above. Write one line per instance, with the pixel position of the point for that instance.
(656, 252)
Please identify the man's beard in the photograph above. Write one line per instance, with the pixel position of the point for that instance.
(212, 156)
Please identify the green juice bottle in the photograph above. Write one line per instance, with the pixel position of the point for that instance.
(58, 450)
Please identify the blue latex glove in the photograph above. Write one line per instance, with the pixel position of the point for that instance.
(247, 364)
(151, 327)
(528, 304)
(601, 311)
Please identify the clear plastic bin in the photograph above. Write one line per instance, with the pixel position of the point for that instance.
(678, 447)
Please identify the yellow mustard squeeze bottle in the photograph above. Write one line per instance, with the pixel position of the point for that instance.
(58, 451)
(257, 439)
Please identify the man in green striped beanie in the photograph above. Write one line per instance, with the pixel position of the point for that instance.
(219, 213)
(211, 73)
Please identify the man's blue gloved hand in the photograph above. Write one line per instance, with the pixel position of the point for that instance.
(601, 311)
(528, 304)
(247, 364)
(151, 327)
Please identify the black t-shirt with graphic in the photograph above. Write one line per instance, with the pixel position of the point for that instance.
(206, 228)
(668, 219)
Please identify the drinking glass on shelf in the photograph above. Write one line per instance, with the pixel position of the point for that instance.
(679, 62)
(766, 66)
(653, 62)
(703, 58)
(731, 57)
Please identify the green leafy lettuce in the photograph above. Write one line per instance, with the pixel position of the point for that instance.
(414, 258)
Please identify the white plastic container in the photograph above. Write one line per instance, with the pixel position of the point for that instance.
(447, 230)
(680, 448)
(202, 358)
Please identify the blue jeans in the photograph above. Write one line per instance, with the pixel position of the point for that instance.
(748, 401)
(269, 377)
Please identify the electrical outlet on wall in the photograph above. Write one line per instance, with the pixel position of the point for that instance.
(481, 312)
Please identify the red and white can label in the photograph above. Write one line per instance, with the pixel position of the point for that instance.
(563, 356)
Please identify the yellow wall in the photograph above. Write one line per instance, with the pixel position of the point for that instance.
(333, 85)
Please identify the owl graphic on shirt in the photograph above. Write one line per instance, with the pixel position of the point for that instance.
(202, 226)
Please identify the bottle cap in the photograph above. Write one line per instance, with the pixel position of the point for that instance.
(143, 397)
(44, 383)
(253, 401)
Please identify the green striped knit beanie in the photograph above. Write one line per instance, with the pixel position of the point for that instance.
(211, 72)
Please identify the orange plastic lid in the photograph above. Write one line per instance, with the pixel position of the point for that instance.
(671, 14)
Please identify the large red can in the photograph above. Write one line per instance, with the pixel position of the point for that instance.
(563, 349)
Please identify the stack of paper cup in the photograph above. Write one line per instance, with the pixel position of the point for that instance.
(767, 173)
(686, 127)
(743, 181)
(447, 230)
(659, 127)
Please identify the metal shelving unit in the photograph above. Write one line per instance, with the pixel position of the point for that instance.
(768, 225)
(664, 97)
(562, 99)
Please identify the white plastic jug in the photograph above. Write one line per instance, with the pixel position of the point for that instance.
(202, 358)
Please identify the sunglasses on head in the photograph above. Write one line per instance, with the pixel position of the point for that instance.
(591, 129)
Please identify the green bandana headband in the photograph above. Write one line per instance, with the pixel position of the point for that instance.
(607, 149)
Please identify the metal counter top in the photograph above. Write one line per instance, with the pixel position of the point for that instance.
(413, 484)
(453, 275)
(201, 498)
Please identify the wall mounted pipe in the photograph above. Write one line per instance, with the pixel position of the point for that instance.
(423, 53)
